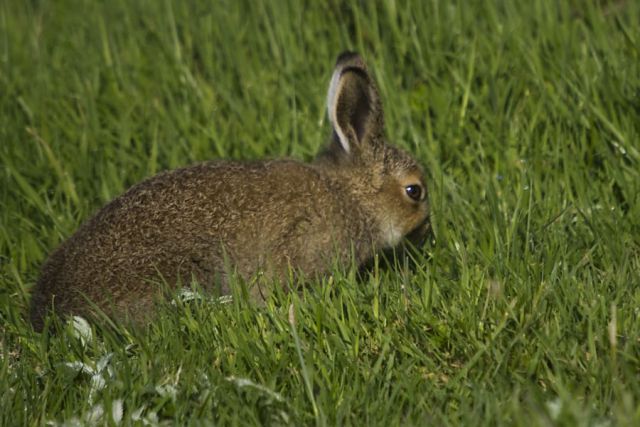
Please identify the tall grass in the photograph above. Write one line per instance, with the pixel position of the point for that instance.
(525, 307)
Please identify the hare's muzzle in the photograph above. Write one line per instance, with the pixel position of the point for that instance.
(419, 234)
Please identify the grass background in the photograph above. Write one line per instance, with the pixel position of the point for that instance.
(525, 307)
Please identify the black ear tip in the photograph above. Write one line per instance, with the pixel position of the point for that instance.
(349, 58)
(347, 55)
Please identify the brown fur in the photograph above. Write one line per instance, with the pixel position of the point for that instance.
(266, 216)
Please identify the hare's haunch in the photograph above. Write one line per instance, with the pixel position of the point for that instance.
(359, 195)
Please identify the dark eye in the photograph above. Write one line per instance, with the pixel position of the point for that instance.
(414, 191)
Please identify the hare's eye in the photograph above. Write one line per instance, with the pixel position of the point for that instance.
(414, 191)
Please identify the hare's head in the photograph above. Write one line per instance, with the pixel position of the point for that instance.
(387, 182)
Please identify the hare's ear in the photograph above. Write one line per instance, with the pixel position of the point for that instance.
(353, 104)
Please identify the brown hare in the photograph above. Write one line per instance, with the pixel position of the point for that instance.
(265, 218)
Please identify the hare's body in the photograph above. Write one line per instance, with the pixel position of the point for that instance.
(185, 224)
(271, 217)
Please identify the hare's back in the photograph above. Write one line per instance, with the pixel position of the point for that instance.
(178, 224)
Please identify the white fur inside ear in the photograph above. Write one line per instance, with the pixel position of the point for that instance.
(332, 105)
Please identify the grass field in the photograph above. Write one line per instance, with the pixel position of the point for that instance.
(524, 308)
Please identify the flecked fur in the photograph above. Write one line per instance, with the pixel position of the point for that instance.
(254, 217)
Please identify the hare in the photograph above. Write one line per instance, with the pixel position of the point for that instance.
(265, 218)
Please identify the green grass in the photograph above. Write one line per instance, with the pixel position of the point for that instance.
(525, 307)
